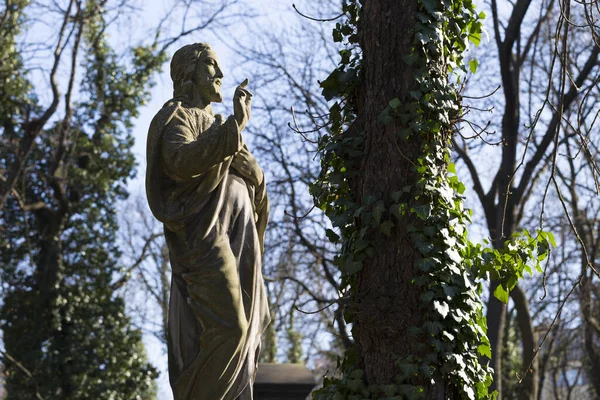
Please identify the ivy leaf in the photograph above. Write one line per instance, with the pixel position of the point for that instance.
(330, 85)
(396, 196)
(422, 37)
(337, 34)
(453, 255)
(411, 58)
(407, 369)
(423, 211)
(430, 5)
(501, 294)
(433, 327)
(473, 64)
(332, 236)
(449, 290)
(410, 391)
(349, 76)
(345, 54)
(351, 267)
(385, 118)
(378, 211)
(386, 227)
(416, 94)
(395, 103)
(484, 350)
(427, 296)
(361, 244)
(475, 37)
(470, 392)
(550, 237)
(441, 307)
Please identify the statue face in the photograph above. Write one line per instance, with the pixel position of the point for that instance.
(208, 77)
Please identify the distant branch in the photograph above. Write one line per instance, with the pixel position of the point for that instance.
(462, 154)
(24, 370)
(123, 280)
(569, 97)
(317, 19)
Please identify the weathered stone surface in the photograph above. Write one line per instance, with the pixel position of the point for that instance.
(205, 186)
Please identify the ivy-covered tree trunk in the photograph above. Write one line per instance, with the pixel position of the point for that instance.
(388, 186)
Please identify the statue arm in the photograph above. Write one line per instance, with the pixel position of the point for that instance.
(245, 164)
(262, 212)
(186, 154)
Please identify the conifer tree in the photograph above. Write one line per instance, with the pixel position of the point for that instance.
(65, 331)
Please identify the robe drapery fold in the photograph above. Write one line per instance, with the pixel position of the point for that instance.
(214, 227)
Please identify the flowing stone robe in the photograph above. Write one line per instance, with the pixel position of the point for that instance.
(214, 225)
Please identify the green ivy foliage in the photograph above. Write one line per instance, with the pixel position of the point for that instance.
(15, 96)
(451, 268)
(74, 338)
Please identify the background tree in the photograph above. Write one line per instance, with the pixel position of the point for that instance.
(65, 331)
(146, 283)
(61, 321)
(546, 66)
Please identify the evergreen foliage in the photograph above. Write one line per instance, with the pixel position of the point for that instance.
(66, 335)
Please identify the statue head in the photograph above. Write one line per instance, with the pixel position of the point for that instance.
(196, 74)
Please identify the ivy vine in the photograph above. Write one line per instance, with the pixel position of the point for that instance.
(451, 268)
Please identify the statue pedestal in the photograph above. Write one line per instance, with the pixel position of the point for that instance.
(283, 381)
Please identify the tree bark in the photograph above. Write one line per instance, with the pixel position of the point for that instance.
(496, 320)
(386, 303)
(592, 352)
(590, 325)
(529, 366)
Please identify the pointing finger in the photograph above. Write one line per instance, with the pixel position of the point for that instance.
(247, 93)
(240, 91)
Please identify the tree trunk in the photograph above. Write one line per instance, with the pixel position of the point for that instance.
(387, 303)
(529, 367)
(496, 320)
(592, 352)
(502, 225)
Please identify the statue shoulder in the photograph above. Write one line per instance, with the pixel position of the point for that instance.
(172, 109)
(169, 110)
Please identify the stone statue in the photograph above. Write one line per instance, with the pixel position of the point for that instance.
(207, 189)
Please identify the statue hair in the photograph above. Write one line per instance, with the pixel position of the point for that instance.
(183, 68)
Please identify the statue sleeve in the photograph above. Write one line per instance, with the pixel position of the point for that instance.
(188, 151)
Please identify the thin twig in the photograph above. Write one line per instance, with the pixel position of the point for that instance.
(317, 19)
